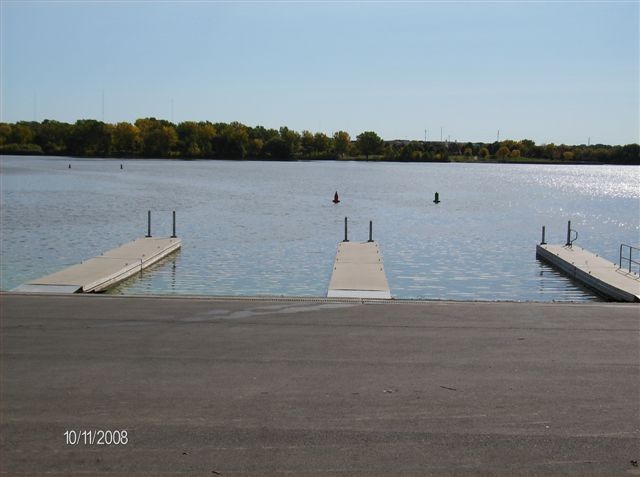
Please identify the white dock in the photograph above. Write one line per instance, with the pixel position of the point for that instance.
(99, 273)
(593, 271)
(358, 272)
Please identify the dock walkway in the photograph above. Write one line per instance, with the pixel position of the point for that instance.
(358, 272)
(593, 271)
(99, 273)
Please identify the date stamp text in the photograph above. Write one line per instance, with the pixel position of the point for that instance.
(97, 437)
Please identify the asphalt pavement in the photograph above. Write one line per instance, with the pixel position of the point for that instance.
(202, 386)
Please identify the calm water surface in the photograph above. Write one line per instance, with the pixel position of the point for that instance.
(269, 228)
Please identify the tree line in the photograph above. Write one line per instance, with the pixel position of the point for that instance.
(158, 138)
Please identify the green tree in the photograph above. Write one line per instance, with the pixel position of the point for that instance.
(321, 144)
(90, 138)
(5, 133)
(550, 151)
(277, 148)
(232, 140)
(306, 143)
(369, 143)
(292, 138)
(159, 137)
(260, 132)
(526, 147)
(194, 139)
(126, 140)
(341, 143)
(21, 133)
(53, 136)
(254, 148)
(188, 141)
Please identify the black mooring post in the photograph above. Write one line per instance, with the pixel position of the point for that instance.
(371, 231)
(543, 233)
(568, 244)
(174, 225)
(148, 224)
(345, 230)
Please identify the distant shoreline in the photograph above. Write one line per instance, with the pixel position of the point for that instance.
(452, 160)
(158, 138)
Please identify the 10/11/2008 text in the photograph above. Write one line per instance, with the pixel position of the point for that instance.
(97, 437)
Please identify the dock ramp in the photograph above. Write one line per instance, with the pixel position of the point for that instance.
(99, 273)
(591, 270)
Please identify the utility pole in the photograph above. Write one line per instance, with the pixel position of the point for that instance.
(498, 140)
(103, 105)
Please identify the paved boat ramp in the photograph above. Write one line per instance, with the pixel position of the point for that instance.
(99, 273)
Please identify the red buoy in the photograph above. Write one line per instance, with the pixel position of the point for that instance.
(336, 199)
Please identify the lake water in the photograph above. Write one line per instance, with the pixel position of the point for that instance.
(269, 228)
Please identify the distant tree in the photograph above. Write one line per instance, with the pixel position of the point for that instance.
(126, 140)
(515, 154)
(5, 133)
(21, 133)
(188, 139)
(526, 146)
(550, 151)
(321, 144)
(53, 136)
(194, 139)
(260, 132)
(159, 137)
(306, 143)
(628, 154)
(369, 143)
(502, 152)
(484, 152)
(411, 152)
(90, 138)
(341, 142)
(277, 148)
(389, 152)
(468, 152)
(254, 148)
(567, 155)
(292, 138)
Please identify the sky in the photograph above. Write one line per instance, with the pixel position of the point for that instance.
(553, 72)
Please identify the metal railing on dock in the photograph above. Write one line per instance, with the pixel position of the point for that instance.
(607, 278)
(629, 259)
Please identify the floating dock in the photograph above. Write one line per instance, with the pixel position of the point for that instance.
(595, 272)
(358, 272)
(99, 273)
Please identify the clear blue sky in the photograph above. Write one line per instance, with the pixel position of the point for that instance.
(549, 71)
